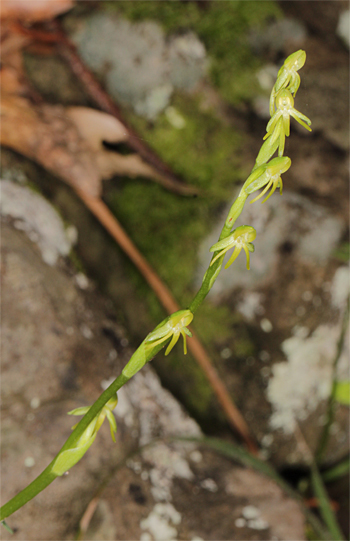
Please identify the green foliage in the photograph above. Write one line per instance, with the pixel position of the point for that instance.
(207, 148)
(337, 471)
(169, 235)
(343, 252)
(342, 392)
(325, 505)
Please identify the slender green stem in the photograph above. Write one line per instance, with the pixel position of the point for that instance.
(46, 477)
(36, 486)
(331, 401)
(83, 435)
(325, 505)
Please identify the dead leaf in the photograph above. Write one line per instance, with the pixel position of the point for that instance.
(12, 79)
(68, 142)
(33, 10)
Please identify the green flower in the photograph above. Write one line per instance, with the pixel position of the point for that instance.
(280, 121)
(288, 77)
(268, 175)
(69, 457)
(240, 238)
(96, 423)
(172, 326)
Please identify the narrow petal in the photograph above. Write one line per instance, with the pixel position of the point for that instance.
(101, 418)
(282, 142)
(112, 424)
(234, 255)
(272, 191)
(295, 83)
(185, 345)
(79, 411)
(272, 123)
(248, 256)
(281, 185)
(286, 124)
(298, 119)
(172, 342)
(262, 193)
(156, 342)
(219, 255)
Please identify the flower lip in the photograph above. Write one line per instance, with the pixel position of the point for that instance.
(240, 238)
(171, 327)
(268, 175)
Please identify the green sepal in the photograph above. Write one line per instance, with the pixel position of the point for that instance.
(67, 459)
(79, 411)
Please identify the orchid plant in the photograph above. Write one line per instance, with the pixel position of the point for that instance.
(266, 175)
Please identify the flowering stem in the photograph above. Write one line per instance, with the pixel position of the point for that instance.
(262, 175)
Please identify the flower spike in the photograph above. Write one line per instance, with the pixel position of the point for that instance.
(240, 238)
(288, 77)
(172, 326)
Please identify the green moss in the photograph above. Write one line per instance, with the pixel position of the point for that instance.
(166, 227)
(222, 26)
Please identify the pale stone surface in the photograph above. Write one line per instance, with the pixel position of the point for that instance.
(37, 218)
(141, 52)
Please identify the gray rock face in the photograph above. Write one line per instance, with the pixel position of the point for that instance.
(34, 215)
(123, 52)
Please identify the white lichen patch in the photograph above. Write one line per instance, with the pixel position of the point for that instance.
(250, 512)
(141, 52)
(209, 484)
(34, 215)
(159, 524)
(298, 385)
(251, 305)
(159, 415)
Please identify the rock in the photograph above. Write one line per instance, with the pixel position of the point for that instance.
(293, 220)
(286, 384)
(34, 215)
(123, 52)
(51, 364)
(343, 28)
(286, 32)
(327, 103)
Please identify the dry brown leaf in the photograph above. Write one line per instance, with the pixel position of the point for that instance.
(12, 79)
(33, 10)
(68, 142)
